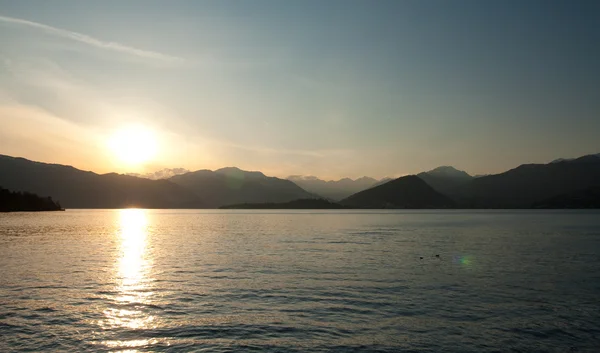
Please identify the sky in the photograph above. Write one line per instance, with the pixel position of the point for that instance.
(327, 88)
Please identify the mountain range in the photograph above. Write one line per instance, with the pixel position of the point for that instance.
(572, 183)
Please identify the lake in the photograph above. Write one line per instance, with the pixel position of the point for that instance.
(300, 281)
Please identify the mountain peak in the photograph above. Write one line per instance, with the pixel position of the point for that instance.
(237, 172)
(444, 168)
(405, 192)
(445, 179)
(448, 171)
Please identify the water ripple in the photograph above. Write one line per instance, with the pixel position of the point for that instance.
(179, 281)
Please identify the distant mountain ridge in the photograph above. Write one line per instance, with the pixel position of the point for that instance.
(334, 189)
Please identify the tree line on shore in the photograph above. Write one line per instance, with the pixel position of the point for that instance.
(11, 201)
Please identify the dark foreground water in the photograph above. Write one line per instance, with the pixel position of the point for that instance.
(215, 281)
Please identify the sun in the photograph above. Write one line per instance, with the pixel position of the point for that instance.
(133, 145)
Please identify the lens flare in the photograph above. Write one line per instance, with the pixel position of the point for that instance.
(464, 260)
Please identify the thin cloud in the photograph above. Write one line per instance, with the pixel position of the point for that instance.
(307, 153)
(82, 38)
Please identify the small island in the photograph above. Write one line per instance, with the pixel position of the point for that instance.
(301, 204)
(26, 202)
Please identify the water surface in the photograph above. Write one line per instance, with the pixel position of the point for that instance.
(300, 281)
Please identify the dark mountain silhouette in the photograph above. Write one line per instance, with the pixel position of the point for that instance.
(530, 183)
(301, 204)
(75, 188)
(570, 183)
(587, 198)
(333, 189)
(405, 192)
(445, 179)
(24, 201)
(230, 186)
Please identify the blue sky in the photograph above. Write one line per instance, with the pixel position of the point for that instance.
(326, 88)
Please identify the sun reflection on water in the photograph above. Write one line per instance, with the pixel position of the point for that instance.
(133, 245)
(129, 307)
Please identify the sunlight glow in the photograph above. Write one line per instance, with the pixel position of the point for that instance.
(133, 145)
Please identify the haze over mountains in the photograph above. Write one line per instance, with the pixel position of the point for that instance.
(568, 183)
(232, 185)
(334, 189)
(165, 173)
